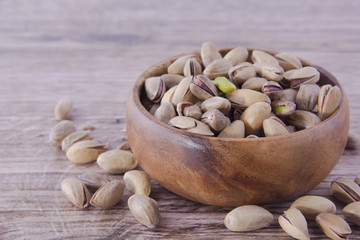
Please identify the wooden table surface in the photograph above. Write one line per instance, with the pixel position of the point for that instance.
(92, 52)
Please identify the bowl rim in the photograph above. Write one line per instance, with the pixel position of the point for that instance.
(138, 85)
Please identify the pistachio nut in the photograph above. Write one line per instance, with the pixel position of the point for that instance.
(242, 72)
(192, 67)
(258, 56)
(117, 161)
(177, 67)
(272, 72)
(224, 85)
(63, 109)
(272, 89)
(352, 213)
(333, 226)
(171, 80)
(108, 195)
(144, 209)
(202, 87)
(307, 97)
(85, 151)
(283, 108)
(124, 146)
(303, 119)
(243, 98)
(191, 125)
(293, 222)
(328, 101)
(209, 53)
(60, 131)
(274, 127)
(138, 182)
(254, 116)
(165, 112)
(76, 192)
(345, 190)
(216, 120)
(182, 92)
(311, 205)
(153, 108)
(180, 108)
(254, 83)
(154, 88)
(237, 55)
(289, 94)
(93, 180)
(217, 68)
(168, 95)
(288, 61)
(248, 218)
(73, 138)
(235, 130)
(193, 111)
(352, 141)
(296, 77)
(219, 103)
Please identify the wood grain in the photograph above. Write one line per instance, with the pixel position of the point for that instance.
(92, 52)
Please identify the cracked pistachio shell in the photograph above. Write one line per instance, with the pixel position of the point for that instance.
(289, 94)
(235, 130)
(328, 100)
(274, 127)
(218, 68)
(303, 119)
(209, 53)
(307, 97)
(85, 151)
(288, 61)
(224, 85)
(248, 218)
(296, 77)
(193, 111)
(243, 98)
(177, 67)
(60, 131)
(108, 195)
(294, 223)
(254, 116)
(76, 192)
(237, 55)
(345, 190)
(219, 103)
(283, 108)
(63, 109)
(171, 80)
(93, 180)
(216, 120)
(191, 125)
(192, 67)
(272, 89)
(271, 72)
(73, 138)
(154, 88)
(352, 213)
(333, 226)
(182, 92)
(258, 56)
(311, 205)
(242, 72)
(124, 146)
(137, 182)
(180, 107)
(165, 112)
(254, 83)
(203, 88)
(168, 95)
(145, 210)
(117, 161)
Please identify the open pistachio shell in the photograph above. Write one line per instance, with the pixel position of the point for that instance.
(328, 100)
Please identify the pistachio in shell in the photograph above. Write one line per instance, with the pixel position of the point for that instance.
(328, 100)
(272, 72)
(254, 83)
(333, 226)
(303, 119)
(216, 120)
(209, 53)
(273, 126)
(259, 56)
(242, 72)
(217, 68)
(154, 88)
(220, 103)
(352, 213)
(283, 108)
(235, 130)
(165, 112)
(288, 61)
(293, 222)
(171, 80)
(307, 97)
(237, 55)
(177, 67)
(254, 116)
(297, 77)
(202, 87)
(182, 92)
(243, 98)
(192, 67)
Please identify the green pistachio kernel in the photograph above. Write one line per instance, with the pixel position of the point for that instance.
(224, 85)
(280, 108)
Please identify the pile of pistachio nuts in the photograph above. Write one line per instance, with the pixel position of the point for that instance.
(240, 95)
(95, 189)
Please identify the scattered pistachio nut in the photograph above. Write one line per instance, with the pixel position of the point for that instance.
(73, 138)
(352, 141)
(345, 190)
(93, 180)
(124, 146)
(333, 226)
(248, 218)
(117, 161)
(145, 210)
(76, 192)
(85, 151)
(293, 222)
(108, 195)
(138, 182)
(352, 213)
(63, 109)
(60, 131)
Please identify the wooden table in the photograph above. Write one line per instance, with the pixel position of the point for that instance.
(92, 52)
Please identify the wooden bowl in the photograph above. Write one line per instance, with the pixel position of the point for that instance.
(234, 172)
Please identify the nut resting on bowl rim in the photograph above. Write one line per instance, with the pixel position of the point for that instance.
(229, 171)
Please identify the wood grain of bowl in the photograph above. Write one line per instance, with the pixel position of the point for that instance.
(234, 172)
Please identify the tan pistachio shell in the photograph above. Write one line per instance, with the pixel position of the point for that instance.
(243, 98)
(242, 72)
(216, 120)
(76, 192)
(297, 77)
(60, 131)
(182, 92)
(303, 119)
(73, 138)
(168, 95)
(209, 53)
(333, 226)
(293, 222)
(85, 151)
(192, 67)
(274, 127)
(345, 190)
(271, 72)
(254, 83)
(307, 97)
(220, 103)
(203, 88)
(352, 213)
(218, 68)
(145, 210)
(154, 88)
(288, 61)
(258, 56)
(171, 80)
(177, 67)
(254, 116)
(235, 130)
(237, 55)
(165, 112)
(137, 182)
(108, 195)
(63, 109)
(117, 161)
(328, 100)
